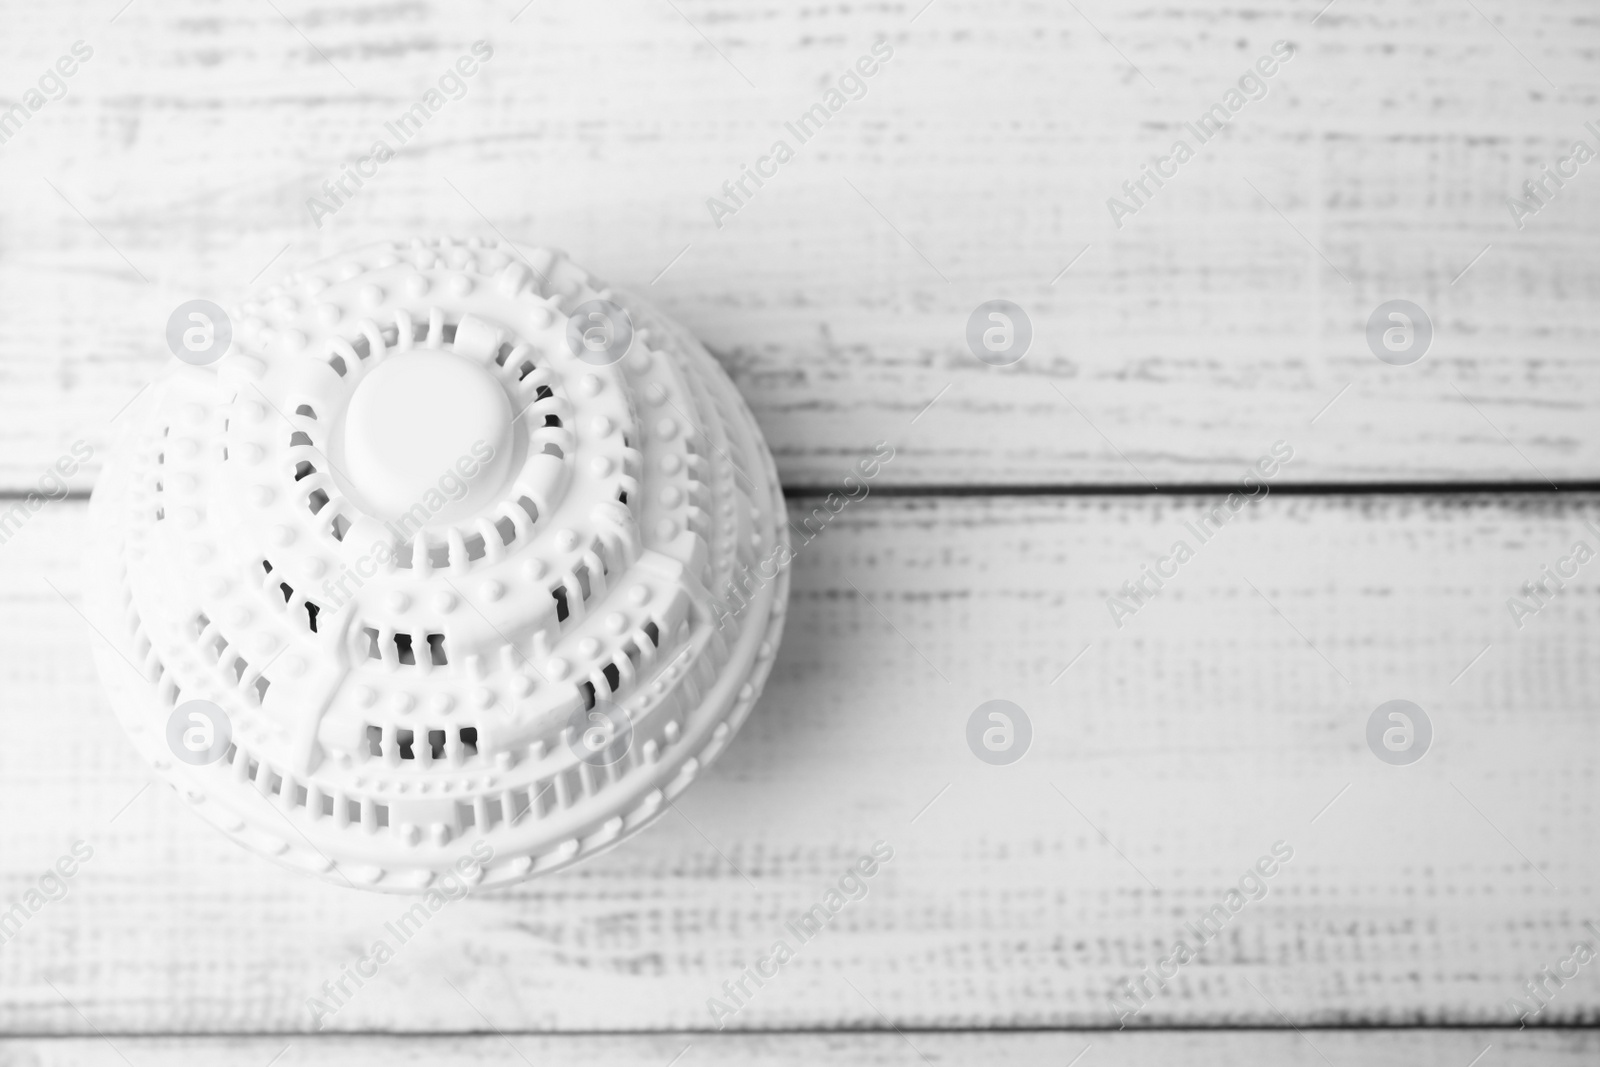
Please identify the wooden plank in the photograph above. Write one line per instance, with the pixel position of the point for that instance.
(1229, 312)
(1377, 1048)
(1227, 714)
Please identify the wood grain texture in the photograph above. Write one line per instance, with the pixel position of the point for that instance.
(1226, 314)
(1227, 714)
(1221, 1049)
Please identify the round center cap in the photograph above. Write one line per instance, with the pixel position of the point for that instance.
(427, 430)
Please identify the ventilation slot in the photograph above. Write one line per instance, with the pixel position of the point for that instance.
(552, 450)
(505, 351)
(475, 548)
(402, 647)
(306, 410)
(553, 421)
(436, 650)
(613, 676)
(317, 500)
(586, 690)
(560, 596)
(653, 633)
(469, 740)
(507, 529)
(340, 526)
(448, 333)
(299, 437)
(527, 505)
(374, 740)
(525, 370)
(373, 652)
(312, 611)
(582, 574)
(436, 744)
(262, 685)
(304, 469)
(405, 738)
(520, 803)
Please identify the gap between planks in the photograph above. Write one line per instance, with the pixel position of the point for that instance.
(1130, 1049)
(1408, 488)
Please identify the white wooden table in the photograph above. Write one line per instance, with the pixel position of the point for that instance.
(1169, 754)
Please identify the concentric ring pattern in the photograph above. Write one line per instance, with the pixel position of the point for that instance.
(463, 577)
